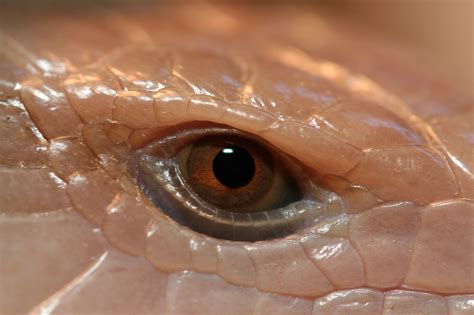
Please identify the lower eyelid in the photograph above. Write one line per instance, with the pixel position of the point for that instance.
(181, 257)
(120, 223)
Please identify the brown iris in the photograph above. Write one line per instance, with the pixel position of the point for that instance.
(230, 172)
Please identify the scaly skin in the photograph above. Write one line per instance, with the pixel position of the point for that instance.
(82, 89)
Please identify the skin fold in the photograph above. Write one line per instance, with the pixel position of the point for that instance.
(83, 87)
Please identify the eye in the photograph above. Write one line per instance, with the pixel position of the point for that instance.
(236, 174)
(228, 184)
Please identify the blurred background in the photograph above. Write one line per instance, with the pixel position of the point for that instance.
(441, 31)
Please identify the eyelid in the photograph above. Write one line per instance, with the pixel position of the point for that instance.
(176, 104)
(271, 107)
(157, 170)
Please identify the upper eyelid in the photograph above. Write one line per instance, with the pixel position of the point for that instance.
(284, 137)
(325, 152)
(292, 58)
(335, 158)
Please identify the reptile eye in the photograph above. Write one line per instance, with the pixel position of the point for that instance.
(237, 175)
(226, 184)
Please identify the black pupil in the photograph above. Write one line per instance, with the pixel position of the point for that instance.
(233, 166)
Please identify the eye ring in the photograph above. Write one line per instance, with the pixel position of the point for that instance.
(160, 178)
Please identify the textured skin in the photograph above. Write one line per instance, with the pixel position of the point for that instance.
(81, 89)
